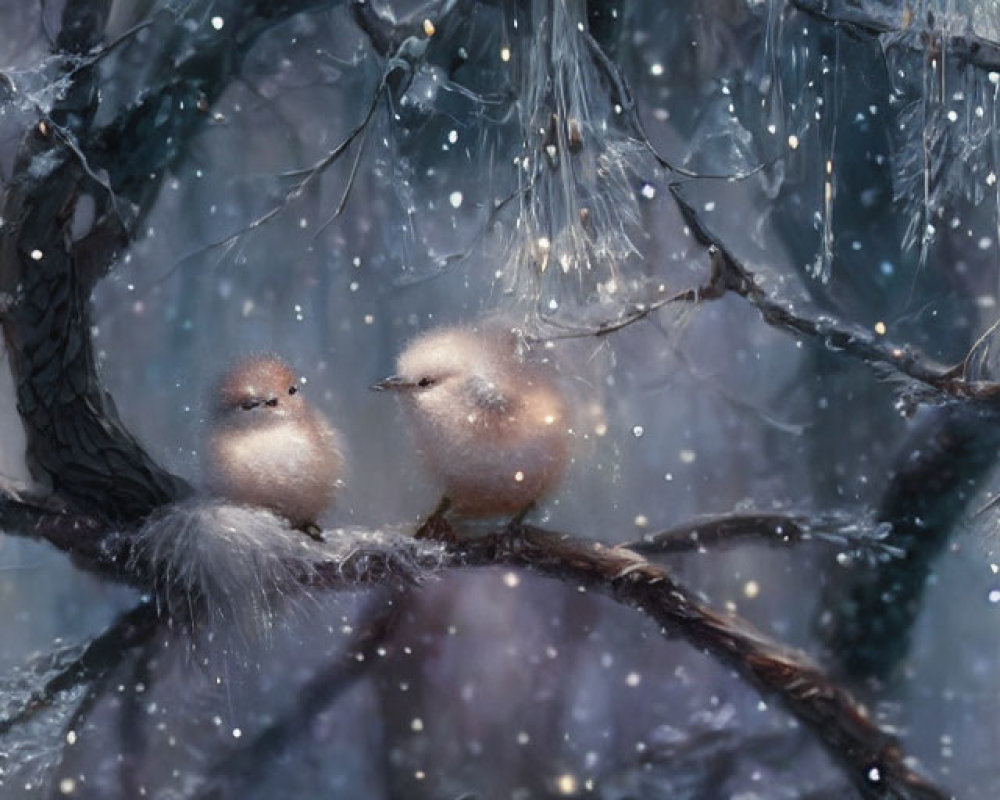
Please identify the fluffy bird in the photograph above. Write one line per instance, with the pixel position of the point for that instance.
(267, 447)
(492, 427)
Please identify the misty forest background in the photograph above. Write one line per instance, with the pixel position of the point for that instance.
(759, 238)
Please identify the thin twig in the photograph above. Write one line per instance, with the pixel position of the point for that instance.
(729, 273)
(231, 775)
(104, 653)
(728, 529)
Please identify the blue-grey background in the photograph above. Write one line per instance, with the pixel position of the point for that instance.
(508, 686)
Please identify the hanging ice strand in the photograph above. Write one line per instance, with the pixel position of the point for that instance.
(572, 256)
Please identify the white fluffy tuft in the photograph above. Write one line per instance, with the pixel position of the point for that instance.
(238, 567)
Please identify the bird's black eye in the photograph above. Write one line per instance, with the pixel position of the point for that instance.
(423, 383)
(293, 389)
(248, 405)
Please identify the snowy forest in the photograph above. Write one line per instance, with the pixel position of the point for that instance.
(754, 241)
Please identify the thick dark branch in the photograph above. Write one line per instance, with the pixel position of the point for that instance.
(869, 610)
(76, 441)
(870, 757)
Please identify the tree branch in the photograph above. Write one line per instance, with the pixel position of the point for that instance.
(870, 609)
(103, 654)
(870, 757)
(780, 530)
(231, 775)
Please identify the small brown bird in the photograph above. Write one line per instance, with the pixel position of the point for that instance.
(492, 427)
(268, 447)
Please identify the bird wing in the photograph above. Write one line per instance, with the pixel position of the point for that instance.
(487, 395)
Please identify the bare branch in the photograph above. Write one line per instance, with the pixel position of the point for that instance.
(729, 274)
(101, 655)
(234, 773)
(871, 758)
(774, 529)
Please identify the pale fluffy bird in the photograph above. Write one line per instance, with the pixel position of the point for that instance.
(492, 427)
(267, 447)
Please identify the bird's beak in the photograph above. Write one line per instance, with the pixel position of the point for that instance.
(394, 383)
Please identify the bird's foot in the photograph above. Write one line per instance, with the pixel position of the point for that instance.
(436, 526)
(516, 524)
(514, 532)
(313, 531)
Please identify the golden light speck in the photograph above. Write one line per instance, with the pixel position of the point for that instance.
(505, 54)
(511, 580)
(751, 589)
(519, 476)
(67, 786)
(429, 28)
(793, 142)
(549, 419)
(880, 328)
(567, 784)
